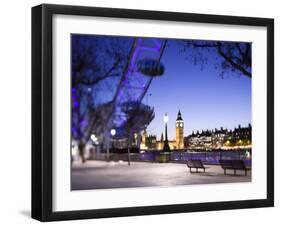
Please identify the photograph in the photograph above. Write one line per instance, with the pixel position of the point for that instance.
(146, 112)
(159, 112)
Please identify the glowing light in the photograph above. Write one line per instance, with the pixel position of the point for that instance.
(94, 138)
(75, 104)
(113, 132)
(159, 146)
(143, 147)
(135, 135)
(166, 118)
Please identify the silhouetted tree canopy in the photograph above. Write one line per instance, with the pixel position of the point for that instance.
(90, 72)
(231, 56)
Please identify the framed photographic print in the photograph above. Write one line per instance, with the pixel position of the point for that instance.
(146, 112)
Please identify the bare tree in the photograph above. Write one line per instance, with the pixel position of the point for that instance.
(232, 56)
(94, 60)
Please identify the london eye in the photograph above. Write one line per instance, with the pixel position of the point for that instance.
(126, 108)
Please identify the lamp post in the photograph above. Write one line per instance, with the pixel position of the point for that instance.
(95, 143)
(112, 132)
(166, 146)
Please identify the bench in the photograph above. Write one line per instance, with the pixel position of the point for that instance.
(233, 165)
(197, 164)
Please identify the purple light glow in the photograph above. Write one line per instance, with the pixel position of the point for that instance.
(75, 104)
(130, 76)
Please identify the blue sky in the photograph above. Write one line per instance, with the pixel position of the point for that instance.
(206, 100)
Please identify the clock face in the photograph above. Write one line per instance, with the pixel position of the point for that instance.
(180, 124)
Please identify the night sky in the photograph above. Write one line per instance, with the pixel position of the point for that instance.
(205, 99)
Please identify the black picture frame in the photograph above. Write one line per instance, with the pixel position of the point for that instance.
(42, 111)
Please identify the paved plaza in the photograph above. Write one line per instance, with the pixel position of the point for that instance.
(102, 174)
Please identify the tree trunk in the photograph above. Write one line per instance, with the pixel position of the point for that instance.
(81, 147)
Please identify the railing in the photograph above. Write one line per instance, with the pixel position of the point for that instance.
(210, 157)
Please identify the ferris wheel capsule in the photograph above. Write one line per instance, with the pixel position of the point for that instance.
(150, 67)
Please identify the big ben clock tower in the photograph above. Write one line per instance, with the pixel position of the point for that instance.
(179, 132)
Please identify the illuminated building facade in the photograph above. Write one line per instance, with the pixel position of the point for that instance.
(240, 137)
(222, 138)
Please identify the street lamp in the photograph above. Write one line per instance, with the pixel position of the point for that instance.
(166, 118)
(166, 146)
(113, 133)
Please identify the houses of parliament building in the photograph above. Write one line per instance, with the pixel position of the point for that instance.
(239, 137)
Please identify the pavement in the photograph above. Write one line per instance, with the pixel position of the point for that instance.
(102, 175)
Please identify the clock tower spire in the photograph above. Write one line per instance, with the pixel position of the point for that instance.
(179, 131)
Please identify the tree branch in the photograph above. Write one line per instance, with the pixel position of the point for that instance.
(205, 45)
(99, 78)
(232, 63)
(239, 50)
(230, 59)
